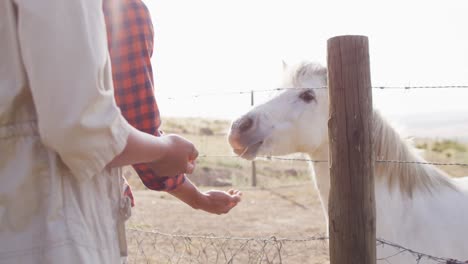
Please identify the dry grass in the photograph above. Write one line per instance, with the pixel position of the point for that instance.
(448, 151)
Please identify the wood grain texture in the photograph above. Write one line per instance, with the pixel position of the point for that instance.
(351, 202)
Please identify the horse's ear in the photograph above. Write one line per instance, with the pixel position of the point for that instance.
(285, 65)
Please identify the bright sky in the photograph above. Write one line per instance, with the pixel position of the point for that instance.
(208, 46)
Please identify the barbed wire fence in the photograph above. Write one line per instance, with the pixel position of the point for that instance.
(159, 247)
(183, 248)
(267, 158)
(227, 93)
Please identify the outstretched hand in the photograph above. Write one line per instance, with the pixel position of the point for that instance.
(219, 202)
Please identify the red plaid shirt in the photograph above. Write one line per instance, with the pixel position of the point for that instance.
(130, 37)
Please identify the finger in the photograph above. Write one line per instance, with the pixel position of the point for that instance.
(235, 199)
(229, 207)
(190, 167)
(194, 155)
(236, 192)
(232, 205)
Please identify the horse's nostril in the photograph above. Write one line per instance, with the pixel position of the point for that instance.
(246, 124)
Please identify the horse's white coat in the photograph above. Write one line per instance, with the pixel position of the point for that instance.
(417, 206)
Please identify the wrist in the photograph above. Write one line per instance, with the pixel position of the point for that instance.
(200, 201)
(158, 148)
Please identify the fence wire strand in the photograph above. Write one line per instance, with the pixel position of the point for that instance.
(207, 94)
(418, 256)
(423, 87)
(267, 158)
(159, 247)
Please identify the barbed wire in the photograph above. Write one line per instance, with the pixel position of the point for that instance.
(424, 163)
(159, 247)
(422, 87)
(155, 247)
(267, 158)
(318, 237)
(277, 187)
(417, 255)
(203, 94)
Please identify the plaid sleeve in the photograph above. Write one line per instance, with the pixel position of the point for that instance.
(130, 37)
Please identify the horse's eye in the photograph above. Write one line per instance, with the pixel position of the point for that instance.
(307, 96)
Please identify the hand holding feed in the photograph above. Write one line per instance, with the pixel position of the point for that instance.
(219, 202)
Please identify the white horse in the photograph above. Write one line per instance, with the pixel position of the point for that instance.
(418, 206)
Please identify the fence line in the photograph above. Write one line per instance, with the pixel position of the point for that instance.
(417, 255)
(268, 158)
(276, 187)
(235, 92)
(158, 247)
(202, 94)
(197, 248)
(423, 87)
(212, 236)
(211, 248)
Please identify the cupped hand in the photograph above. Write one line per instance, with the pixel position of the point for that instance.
(219, 202)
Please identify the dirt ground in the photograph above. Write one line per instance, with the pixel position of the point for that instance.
(292, 212)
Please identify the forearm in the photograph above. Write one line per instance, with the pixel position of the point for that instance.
(188, 193)
(140, 148)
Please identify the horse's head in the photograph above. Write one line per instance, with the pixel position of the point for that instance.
(293, 121)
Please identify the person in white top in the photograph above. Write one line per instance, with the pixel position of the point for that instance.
(63, 139)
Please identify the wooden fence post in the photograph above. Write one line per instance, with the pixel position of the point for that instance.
(351, 160)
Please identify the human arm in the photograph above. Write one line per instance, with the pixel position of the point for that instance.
(167, 155)
(64, 51)
(213, 201)
(130, 31)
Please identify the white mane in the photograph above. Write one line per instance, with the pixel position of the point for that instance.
(407, 177)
